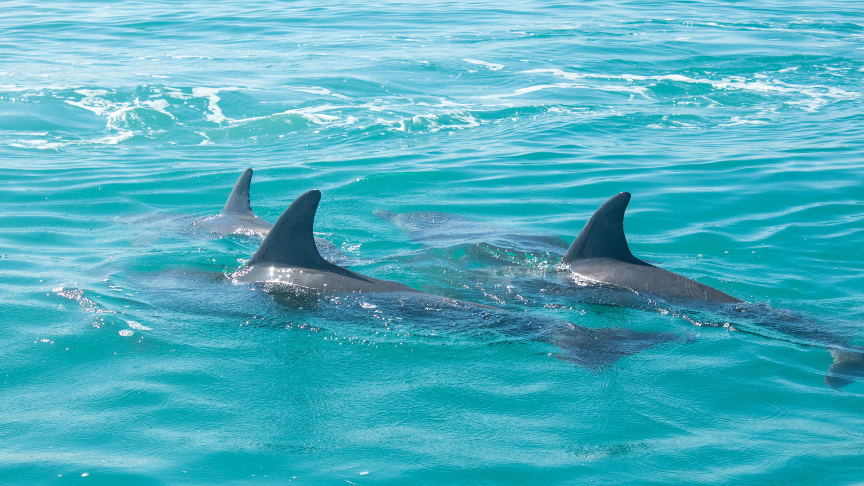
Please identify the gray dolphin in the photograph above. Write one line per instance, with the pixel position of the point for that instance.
(237, 215)
(600, 253)
(288, 255)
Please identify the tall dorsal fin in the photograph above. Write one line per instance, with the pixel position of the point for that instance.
(603, 235)
(291, 242)
(238, 201)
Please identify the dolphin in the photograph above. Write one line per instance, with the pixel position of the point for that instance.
(600, 253)
(237, 215)
(288, 255)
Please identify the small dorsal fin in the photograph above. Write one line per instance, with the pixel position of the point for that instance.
(291, 242)
(238, 201)
(603, 235)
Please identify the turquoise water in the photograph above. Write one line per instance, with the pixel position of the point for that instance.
(127, 356)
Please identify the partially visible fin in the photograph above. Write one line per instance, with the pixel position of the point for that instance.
(848, 365)
(291, 242)
(238, 201)
(603, 235)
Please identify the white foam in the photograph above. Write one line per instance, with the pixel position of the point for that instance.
(110, 140)
(737, 120)
(372, 107)
(530, 89)
(91, 100)
(322, 91)
(206, 140)
(114, 112)
(136, 325)
(447, 103)
(215, 115)
(488, 65)
(312, 113)
(175, 93)
(46, 145)
(158, 105)
(37, 144)
(433, 121)
(819, 95)
(116, 115)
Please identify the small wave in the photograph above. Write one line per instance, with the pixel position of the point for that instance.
(488, 65)
(816, 96)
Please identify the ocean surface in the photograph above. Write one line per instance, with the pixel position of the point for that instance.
(128, 355)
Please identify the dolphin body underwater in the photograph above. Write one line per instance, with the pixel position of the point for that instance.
(444, 229)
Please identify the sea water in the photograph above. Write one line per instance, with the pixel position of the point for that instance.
(128, 356)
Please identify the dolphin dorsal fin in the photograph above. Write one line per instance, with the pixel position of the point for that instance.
(603, 235)
(238, 201)
(291, 242)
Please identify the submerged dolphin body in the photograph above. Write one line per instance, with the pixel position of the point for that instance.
(600, 253)
(237, 215)
(443, 230)
(288, 255)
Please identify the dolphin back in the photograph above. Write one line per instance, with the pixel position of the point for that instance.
(238, 201)
(603, 235)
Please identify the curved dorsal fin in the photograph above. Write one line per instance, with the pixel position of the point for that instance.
(291, 242)
(603, 235)
(238, 201)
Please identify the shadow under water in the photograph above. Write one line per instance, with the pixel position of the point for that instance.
(429, 315)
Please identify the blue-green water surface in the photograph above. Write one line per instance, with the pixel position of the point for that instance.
(128, 357)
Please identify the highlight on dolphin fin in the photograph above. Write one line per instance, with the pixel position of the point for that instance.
(238, 201)
(291, 242)
(603, 235)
